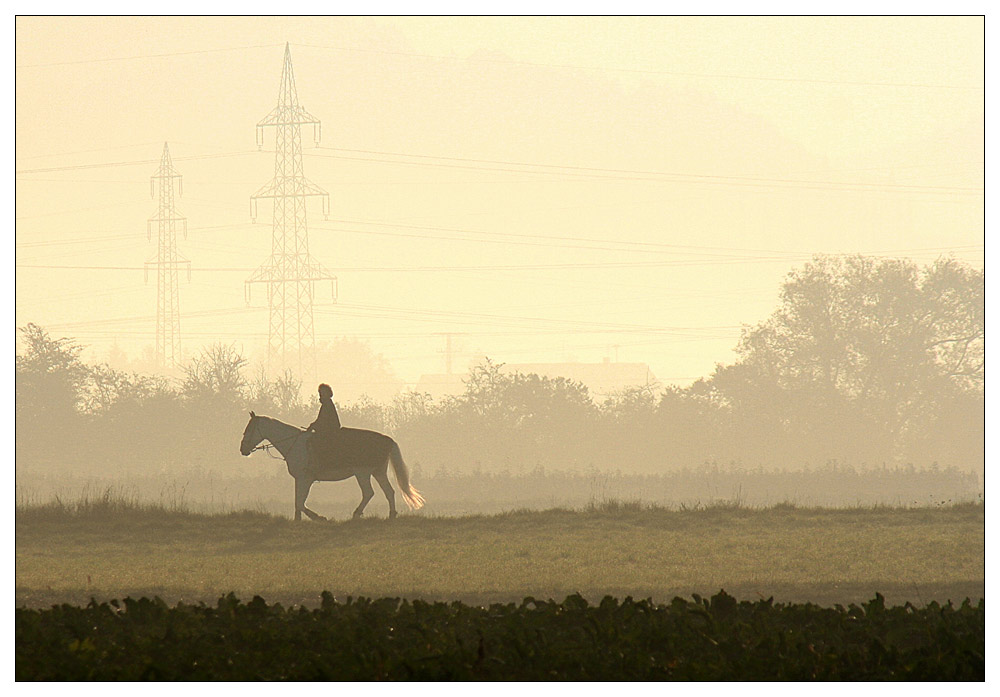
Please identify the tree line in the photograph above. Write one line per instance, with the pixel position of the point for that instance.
(867, 362)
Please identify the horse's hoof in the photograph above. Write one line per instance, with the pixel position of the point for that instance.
(323, 518)
(392, 515)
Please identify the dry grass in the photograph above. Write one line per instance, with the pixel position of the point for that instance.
(106, 547)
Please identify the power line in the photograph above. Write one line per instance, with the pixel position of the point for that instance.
(455, 315)
(658, 247)
(650, 175)
(74, 210)
(101, 292)
(725, 76)
(79, 240)
(129, 163)
(438, 269)
(148, 318)
(499, 267)
(81, 152)
(104, 238)
(653, 245)
(679, 338)
(145, 56)
(552, 326)
(28, 262)
(515, 241)
(571, 170)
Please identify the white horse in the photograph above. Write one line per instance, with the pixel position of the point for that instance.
(359, 453)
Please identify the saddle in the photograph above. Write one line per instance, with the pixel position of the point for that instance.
(342, 450)
(322, 448)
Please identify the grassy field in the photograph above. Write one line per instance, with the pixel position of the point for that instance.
(264, 485)
(113, 549)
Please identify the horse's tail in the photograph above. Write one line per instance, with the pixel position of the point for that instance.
(412, 497)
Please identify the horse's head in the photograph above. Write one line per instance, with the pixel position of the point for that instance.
(251, 435)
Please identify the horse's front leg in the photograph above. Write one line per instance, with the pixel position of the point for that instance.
(365, 482)
(302, 487)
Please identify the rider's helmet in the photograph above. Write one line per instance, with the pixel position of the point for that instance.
(325, 392)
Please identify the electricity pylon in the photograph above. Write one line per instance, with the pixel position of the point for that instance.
(166, 261)
(291, 272)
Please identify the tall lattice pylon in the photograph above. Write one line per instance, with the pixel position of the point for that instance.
(166, 261)
(291, 272)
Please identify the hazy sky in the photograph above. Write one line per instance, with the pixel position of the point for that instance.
(546, 189)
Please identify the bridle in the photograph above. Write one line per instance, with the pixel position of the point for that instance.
(267, 447)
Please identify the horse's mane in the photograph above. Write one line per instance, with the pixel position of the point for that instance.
(279, 422)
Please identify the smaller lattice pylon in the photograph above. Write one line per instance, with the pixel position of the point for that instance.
(167, 260)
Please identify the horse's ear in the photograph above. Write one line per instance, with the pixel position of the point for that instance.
(252, 415)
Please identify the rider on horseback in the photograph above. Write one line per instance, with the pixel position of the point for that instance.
(325, 428)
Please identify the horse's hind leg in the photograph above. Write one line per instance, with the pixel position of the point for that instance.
(382, 478)
(365, 482)
(302, 488)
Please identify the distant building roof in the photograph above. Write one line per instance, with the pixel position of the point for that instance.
(442, 384)
(600, 378)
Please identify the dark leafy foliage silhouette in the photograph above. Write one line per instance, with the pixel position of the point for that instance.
(717, 638)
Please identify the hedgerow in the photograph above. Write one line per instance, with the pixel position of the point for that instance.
(717, 638)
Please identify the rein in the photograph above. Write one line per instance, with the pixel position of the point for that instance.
(267, 448)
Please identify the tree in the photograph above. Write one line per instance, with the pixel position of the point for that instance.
(691, 428)
(216, 375)
(49, 388)
(957, 293)
(50, 379)
(409, 408)
(280, 396)
(364, 413)
(133, 419)
(525, 419)
(861, 351)
(110, 390)
(215, 395)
